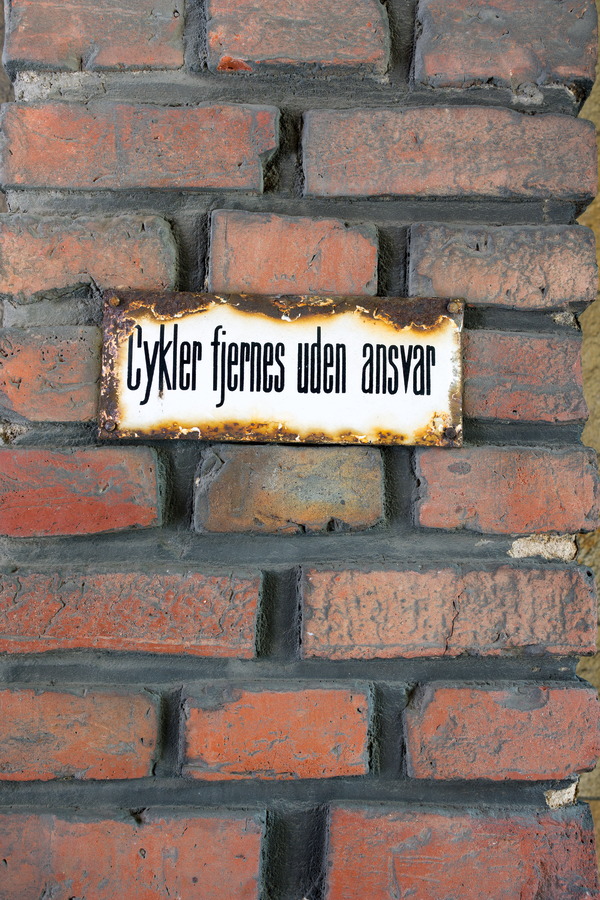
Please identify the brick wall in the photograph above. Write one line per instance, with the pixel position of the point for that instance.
(284, 672)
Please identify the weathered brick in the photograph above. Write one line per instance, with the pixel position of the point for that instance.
(507, 490)
(523, 377)
(302, 733)
(83, 490)
(448, 152)
(387, 613)
(506, 42)
(245, 37)
(82, 34)
(193, 613)
(47, 734)
(216, 857)
(521, 731)
(521, 266)
(391, 851)
(288, 489)
(50, 374)
(270, 254)
(113, 146)
(47, 256)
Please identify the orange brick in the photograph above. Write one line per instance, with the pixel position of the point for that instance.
(279, 734)
(201, 615)
(264, 253)
(448, 152)
(244, 37)
(216, 857)
(83, 490)
(508, 490)
(81, 34)
(43, 256)
(114, 146)
(384, 851)
(520, 731)
(63, 735)
(523, 377)
(50, 374)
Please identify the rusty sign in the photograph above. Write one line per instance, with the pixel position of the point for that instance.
(325, 370)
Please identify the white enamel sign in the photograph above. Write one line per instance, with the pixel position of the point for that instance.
(287, 369)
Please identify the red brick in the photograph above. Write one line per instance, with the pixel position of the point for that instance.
(80, 491)
(216, 857)
(521, 731)
(245, 37)
(42, 256)
(50, 374)
(523, 377)
(508, 490)
(392, 852)
(307, 733)
(284, 490)
(447, 152)
(112, 146)
(264, 253)
(388, 613)
(201, 615)
(82, 34)
(506, 42)
(521, 267)
(66, 735)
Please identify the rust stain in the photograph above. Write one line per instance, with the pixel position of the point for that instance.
(427, 317)
(424, 314)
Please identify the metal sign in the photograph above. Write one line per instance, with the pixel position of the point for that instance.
(319, 370)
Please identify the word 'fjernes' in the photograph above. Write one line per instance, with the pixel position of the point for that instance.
(318, 367)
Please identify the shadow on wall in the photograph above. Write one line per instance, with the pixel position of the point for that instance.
(5, 85)
(5, 88)
(589, 544)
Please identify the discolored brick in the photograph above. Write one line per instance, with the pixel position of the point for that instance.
(288, 489)
(378, 613)
(517, 266)
(506, 42)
